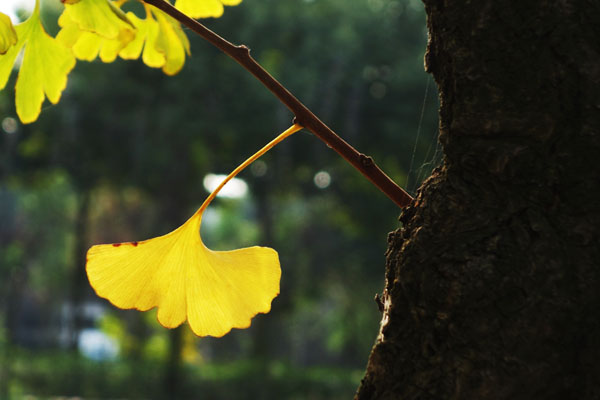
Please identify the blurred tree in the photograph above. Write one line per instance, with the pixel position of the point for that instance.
(492, 284)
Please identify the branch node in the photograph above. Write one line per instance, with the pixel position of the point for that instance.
(243, 50)
(366, 161)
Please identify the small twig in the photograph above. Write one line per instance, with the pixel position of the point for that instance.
(303, 115)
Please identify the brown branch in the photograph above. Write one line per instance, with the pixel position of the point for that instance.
(304, 116)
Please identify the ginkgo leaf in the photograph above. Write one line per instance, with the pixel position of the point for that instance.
(214, 291)
(204, 8)
(87, 46)
(104, 33)
(8, 35)
(147, 33)
(172, 42)
(164, 43)
(99, 16)
(44, 68)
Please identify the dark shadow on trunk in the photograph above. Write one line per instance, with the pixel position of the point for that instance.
(492, 282)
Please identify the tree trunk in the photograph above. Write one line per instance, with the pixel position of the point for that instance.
(492, 284)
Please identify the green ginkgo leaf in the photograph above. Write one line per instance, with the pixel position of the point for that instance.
(44, 69)
(204, 8)
(8, 35)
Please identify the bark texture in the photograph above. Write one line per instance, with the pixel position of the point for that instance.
(493, 283)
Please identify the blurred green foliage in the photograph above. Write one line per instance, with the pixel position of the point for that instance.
(123, 156)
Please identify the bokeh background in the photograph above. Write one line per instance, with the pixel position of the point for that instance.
(129, 153)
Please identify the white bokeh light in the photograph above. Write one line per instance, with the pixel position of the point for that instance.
(10, 7)
(96, 345)
(322, 179)
(234, 189)
(9, 125)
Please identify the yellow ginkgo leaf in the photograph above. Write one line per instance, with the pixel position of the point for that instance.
(87, 45)
(204, 8)
(8, 35)
(164, 42)
(214, 291)
(172, 42)
(147, 33)
(44, 68)
(104, 34)
(99, 16)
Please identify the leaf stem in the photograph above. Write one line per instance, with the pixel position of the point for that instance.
(363, 163)
(292, 129)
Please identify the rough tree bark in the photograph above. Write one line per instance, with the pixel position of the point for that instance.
(493, 282)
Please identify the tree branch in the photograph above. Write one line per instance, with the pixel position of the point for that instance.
(363, 163)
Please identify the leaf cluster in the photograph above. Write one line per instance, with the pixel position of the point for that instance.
(91, 29)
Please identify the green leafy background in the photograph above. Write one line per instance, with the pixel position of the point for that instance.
(123, 156)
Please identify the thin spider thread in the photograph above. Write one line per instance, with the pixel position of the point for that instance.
(430, 163)
(419, 126)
